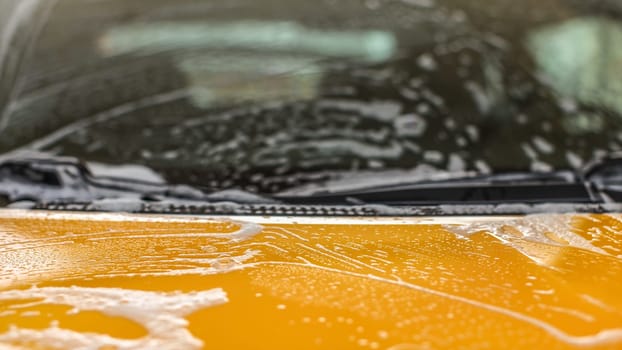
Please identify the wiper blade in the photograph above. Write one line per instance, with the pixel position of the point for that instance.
(556, 187)
(599, 182)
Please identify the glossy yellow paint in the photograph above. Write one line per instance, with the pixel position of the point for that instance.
(120, 281)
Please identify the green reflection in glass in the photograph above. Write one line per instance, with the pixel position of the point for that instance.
(226, 77)
(582, 58)
(369, 45)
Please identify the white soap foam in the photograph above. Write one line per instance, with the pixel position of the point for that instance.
(533, 228)
(161, 314)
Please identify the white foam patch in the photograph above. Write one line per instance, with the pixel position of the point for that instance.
(545, 229)
(161, 314)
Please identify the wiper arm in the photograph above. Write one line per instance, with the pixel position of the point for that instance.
(605, 177)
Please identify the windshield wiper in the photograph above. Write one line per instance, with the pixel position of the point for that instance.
(598, 183)
(559, 187)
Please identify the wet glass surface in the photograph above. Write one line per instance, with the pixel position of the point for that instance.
(269, 95)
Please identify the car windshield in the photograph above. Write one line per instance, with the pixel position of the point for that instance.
(274, 96)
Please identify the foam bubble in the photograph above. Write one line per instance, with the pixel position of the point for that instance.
(161, 314)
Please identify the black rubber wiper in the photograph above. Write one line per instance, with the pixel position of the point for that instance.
(598, 183)
(558, 187)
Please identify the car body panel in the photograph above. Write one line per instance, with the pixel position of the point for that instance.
(94, 280)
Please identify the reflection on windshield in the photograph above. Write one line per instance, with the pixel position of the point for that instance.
(250, 60)
(214, 77)
(270, 36)
(579, 57)
(270, 96)
(17, 29)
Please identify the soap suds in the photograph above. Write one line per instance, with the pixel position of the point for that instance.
(161, 314)
(553, 230)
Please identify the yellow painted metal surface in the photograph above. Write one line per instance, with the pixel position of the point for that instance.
(138, 282)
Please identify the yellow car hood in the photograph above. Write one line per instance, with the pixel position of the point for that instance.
(116, 281)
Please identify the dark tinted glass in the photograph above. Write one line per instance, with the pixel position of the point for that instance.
(266, 95)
